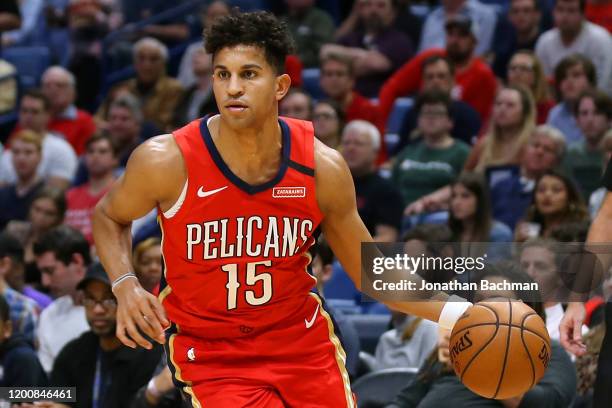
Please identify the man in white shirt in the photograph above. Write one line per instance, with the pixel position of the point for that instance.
(59, 162)
(62, 255)
(574, 34)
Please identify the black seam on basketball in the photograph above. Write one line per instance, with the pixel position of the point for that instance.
(503, 370)
(483, 347)
(502, 324)
(527, 350)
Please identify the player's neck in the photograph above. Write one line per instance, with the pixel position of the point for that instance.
(249, 142)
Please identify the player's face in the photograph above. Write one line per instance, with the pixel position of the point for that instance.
(521, 71)
(247, 88)
(551, 196)
(507, 110)
(26, 158)
(463, 202)
(100, 308)
(336, 81)
(592, 123)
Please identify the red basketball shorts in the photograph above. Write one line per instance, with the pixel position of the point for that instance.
(300, 365)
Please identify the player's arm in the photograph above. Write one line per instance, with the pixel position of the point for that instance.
(344, 230)
(153, 177)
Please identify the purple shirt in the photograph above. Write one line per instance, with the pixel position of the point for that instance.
(40, 298)
(392, 43)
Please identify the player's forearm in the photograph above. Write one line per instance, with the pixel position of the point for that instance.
(113, 243)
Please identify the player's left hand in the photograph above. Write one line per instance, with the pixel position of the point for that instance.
(570, 329)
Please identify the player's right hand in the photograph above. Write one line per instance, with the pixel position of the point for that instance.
(137, 310)
(570, 328)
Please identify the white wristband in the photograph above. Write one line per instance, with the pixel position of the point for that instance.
(454, 307)
(120, 279)
(152, 389)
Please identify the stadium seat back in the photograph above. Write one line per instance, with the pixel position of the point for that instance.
(381, 387)
(31, 63)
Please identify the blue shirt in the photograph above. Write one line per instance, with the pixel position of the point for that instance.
(561, 117)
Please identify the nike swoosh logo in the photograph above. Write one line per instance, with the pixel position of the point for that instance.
(310, 322)
(202, 193)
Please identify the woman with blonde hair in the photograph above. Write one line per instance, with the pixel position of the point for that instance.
(147, 259)
(512, 124)
(525, 69)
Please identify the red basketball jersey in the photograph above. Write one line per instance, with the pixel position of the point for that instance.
(235, 254)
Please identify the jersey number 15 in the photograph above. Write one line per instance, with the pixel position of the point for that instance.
(252, 278)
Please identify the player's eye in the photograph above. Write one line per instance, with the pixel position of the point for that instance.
(223, 74)
(249, 74)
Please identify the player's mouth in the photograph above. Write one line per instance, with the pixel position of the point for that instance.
(236, 107)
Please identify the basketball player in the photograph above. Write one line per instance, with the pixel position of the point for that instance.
(240, 195)
(571, 326)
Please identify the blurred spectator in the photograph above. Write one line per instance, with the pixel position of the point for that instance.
(8, 88)
(106, 373)
(12, 268)
(573, 75)
(378, 201)
(46, 212)
(10, 18)
(512, 196)
(171, 31)
(30, 11)
(328, 121)
(125, 126)
(511, 126)
(102, 114)
(58, 163)
(597, 197)
(525, 69)
(437, 159)
(411, 338)
(148, 263)
(209, 13)
(556, 200)
(519, 32)
(198, 100)
(322, 269)
(438, 74)
(101, 161)
(475, 81)
(18, 361)
(584, 161)
(24, 310)
(470, 217)
(483, 17)
(15, 199)
(338, 82)
(296, 104)
(573, 34)
(310, 28)
(160, 391)
(376, 47)
(157, 92)
(62, 255)
(539, 259)
(59, 86)
(600, 13)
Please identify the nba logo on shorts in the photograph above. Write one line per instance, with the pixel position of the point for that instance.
(288, 192)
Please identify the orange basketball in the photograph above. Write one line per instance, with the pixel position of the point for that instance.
(500, 348)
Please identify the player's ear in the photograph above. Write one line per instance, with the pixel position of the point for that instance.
(283, 83)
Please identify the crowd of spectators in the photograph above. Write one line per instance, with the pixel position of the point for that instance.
(460, 121)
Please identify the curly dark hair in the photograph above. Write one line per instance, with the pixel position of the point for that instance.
(260, 28)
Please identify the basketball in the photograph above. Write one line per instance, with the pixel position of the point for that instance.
(500, 349)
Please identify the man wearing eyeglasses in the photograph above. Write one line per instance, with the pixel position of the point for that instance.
(106, 373)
